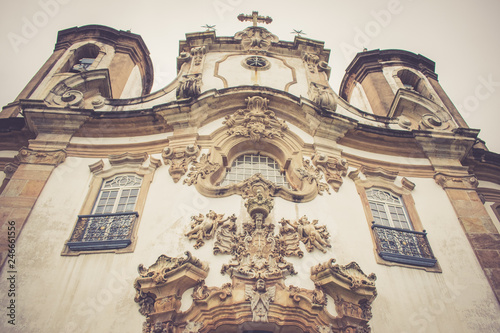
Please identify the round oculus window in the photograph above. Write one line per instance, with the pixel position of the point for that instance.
(256, 63)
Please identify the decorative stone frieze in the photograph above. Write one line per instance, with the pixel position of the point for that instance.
(333, 168)
(46, 157)
(256, 121)
(201, 169)
(179, 160)
(189, 86)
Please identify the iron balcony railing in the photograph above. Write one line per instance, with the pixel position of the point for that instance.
(103, 231)
(403, 246)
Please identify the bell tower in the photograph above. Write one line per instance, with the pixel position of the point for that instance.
(93, 60)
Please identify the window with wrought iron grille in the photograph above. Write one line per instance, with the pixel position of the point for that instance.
(248, 165)
(395, 237)
(112, 220)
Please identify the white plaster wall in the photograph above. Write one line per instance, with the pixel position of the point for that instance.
(94, 292)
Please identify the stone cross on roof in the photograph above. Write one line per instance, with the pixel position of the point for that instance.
(255, 18)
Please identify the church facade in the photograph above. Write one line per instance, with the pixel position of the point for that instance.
(246, 195)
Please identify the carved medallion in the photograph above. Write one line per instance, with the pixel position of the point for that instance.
(256, 39)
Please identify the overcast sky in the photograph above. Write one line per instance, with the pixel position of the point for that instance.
(460, 36)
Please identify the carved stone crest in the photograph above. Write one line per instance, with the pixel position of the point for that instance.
(179, 160)
(256, 39)
(256, 121)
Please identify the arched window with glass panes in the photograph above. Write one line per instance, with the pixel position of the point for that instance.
(388, 209)
(247, 165)
(118, 195)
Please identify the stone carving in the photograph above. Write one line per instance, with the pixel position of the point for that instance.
(192, 327)
(179, 160)
(259, 204)
(10, 169)
(333, 169)
(203, 228)
(345, 308)
(456, 182)
(201, 292)
(146, 300)
(158, 327)
(225, 236)
(201, 169)
(311, 174)
(260, 297)
(312, 61)
(350, 272)
(256, 121)
(289, 239)
(69, 98)
(257, 268)
(47, 157)
(189, 86)
(316, 297)
(197, 53)
(325, 329)
(165, 264)
(322, 96)
(312, 235)
(256, 39)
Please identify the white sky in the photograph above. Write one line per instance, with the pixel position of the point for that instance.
(460, 36)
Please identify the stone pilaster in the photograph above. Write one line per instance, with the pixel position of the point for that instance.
(478, 227)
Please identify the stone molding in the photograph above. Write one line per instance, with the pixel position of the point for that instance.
(447, 181)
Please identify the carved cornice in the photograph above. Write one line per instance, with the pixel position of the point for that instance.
(179, 159)
(127, 158)
(459, 182)
(46, 157)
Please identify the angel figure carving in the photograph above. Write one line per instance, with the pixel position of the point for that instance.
(260, 299)
(313, 235)
(204, 227)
